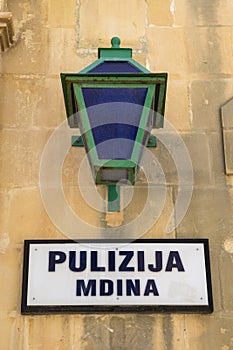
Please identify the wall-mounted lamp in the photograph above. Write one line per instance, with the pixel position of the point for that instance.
(115, 102)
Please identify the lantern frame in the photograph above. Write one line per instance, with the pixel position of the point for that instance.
(115, 68)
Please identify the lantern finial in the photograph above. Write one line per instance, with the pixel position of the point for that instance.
(115, 42)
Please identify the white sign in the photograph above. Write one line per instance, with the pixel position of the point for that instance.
(68, 276)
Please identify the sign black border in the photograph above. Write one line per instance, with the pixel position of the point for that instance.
(61, 309)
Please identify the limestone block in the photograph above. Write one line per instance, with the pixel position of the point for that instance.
(62, 52)
(61, 14)
(134, 331)
(10, 263)
(20, 155)
(49, 108)
(226, 265)
(73, 164)
(193, 331)
(100, 20)
(196, 145)
(85, 198)
(78, 336)
(6, 326)
(207, 50)
(208, 332)
(28, 218)
(224, 11)
(206, 98)
(140, 57)
(29, 54)
(141, 207)
(95, 332)
(167, 50)
(200, 12)
(50, 331)
(3, 219)
(179, 114)
(37, 101)
(208, 215)
(160, 13)
(182, 50)
(118, 332)
(11, 114)
(78, 202)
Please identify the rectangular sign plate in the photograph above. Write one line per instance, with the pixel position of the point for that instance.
(153, 275)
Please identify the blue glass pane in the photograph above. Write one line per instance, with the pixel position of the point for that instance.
(115, 67)
(96, 96)
(114, 115)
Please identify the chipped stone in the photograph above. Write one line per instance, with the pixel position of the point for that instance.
(228, 245)
(4, 242)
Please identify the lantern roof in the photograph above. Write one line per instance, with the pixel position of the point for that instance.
(115, 60)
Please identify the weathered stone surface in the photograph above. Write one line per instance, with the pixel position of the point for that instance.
(195, 144)
(19, 113)
(208, 214)
(3, 218)
(206, 99)
(159, 50)
(140, 57)
(61, 14)
(179, 114)
(62, 56)
(31, 36)
(28, 218)
(206, 331)
(6, 326)
(51, 330)
(205, 13)
(226, 279)
(202, 332)
(139, 202)
(31, 94)
(159, 13)
(99, 21)
(10, 261)
(49, 98)
(20, 156)
(78, 201)
(30, 49)
(118, 332)
(203, 53)
(192, 50)
(198, 144)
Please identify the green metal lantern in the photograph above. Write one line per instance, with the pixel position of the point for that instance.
(115, 102)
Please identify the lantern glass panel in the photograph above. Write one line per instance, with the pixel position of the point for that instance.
(115, 67)
(114, 113)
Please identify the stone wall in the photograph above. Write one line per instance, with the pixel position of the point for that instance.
(192, 41)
